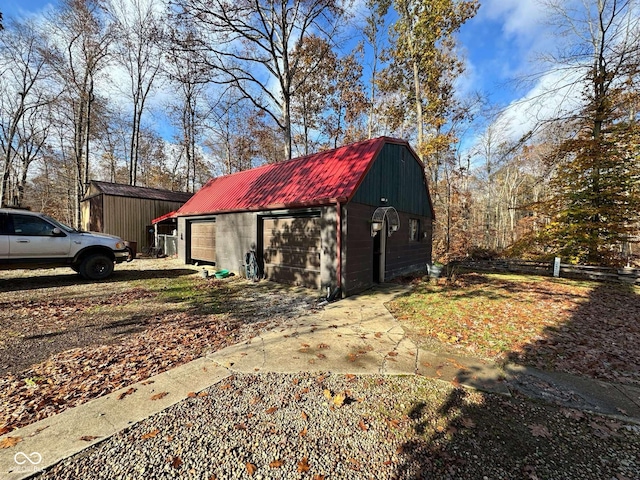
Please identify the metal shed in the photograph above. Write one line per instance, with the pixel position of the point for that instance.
(127, 211)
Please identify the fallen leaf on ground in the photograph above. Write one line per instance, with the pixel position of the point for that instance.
(303, 432)
(160, 395)
(539, 431)
(276, 464)
(128, 392)
(303, 465)
(468, 423)
(10, 442)
(88, 438)
(150, 434)
(363, 426)
(192, 394)
(176, 462)
(393, 423)
(251, 468)
(271, 410)
(305, 417)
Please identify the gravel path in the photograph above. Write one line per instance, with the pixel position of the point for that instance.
(274, 426)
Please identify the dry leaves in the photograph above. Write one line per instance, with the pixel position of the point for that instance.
(303, 465)
(159, 396)
(125, 393)
(251, 468)
(150, 434)
(276, 464)
(539, 431)
(336, 400)
(585, 329)
(10, 442)
(88, 438)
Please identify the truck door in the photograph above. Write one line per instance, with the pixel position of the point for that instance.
(34, 238)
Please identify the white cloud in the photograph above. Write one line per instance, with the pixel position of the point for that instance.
(520, 18)
(553, 96)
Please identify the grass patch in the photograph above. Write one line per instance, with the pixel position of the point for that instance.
(582, 327)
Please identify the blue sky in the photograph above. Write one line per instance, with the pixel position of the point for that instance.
(499, 44)
(498, 41)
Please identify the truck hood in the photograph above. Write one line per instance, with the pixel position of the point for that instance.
(104, 236)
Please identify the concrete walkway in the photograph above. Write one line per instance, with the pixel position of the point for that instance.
(356, 335)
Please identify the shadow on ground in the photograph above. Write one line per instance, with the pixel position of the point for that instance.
(40, 281)
(490, 436)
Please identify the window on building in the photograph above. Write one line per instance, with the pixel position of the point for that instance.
(414, 229)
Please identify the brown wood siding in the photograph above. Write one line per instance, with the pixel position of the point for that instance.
(203, 241)
(402, 254)
(292, 249)
(358, 248)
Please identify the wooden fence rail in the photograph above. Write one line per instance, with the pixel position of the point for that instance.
(607, 274)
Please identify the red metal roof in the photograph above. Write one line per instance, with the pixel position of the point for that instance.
(166, 216)
(319, 179)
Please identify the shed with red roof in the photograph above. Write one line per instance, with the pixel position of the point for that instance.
(345, 218)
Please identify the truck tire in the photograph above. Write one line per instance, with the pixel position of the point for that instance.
(96, 267)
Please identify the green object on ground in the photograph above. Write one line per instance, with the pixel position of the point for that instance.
(222, 273)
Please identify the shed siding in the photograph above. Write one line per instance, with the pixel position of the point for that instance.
(398, 177)
(129, 217)
(237, 232)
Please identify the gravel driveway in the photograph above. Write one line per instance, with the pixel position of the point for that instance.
(274, 426)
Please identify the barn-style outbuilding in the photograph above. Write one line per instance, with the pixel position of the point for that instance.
(344, 218)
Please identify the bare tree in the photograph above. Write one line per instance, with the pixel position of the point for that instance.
(80, 40)
(191, 77)
(374, 32)
(252, 42)
(139, 26)
(23, 104)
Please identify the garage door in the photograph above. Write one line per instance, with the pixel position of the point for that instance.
(292, 250)
(203, 241)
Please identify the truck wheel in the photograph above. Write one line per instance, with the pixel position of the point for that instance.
(96, 267)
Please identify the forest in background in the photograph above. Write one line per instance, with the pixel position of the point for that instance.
(169, 94)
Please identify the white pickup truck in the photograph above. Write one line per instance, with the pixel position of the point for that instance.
(34, 240)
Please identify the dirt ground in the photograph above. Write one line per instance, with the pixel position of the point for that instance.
(57, 330)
